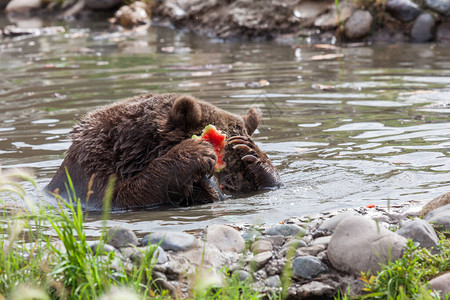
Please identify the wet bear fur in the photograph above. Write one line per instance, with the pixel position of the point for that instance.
(145, 143)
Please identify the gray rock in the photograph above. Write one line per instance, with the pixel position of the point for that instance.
(423, 28)
(321, 240)
(440, 6)
(261, 246)
(286, 230)
(276, 240)
(443, 199)
(225, 238)
(441, 284)
(360, 244)
(102, 4)
(443, 35)
(260, 259)
(330, 224)
(22, 6)
(358, 25)
(251, 235)
(171, 240)
(310, 9)
(441, 220)
(312, 250)
(99, 248)
(204, 257)
(243, 275)
(403, 10)
(315, 289)
(273, 281)
(296, 243)
(308, 267)
(330, 19)
(420, 231)
(436, 212)
(137, 254)
(121, 237)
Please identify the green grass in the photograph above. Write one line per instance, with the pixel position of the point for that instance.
(46, 255)
(407, 277)
(69, 269)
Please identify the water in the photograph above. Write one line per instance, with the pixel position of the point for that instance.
(360, 125)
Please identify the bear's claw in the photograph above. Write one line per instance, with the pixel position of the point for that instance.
(250, 158)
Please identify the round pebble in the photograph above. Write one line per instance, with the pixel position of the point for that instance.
(171, 240)
(308, 267)
(286, 230)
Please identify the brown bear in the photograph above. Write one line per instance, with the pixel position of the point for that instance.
(145, 142)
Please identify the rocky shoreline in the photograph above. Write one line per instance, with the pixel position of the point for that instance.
(292, 20)
(327, 252)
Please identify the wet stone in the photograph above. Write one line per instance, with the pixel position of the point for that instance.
(171, 240)
(286, 230)
(440, 6)
(423, 28)
(308, 267)
(225, 238)
(330, 19)
(261, 246)
(121, 237)
(358, 25)
(403, 10)
(22, 6)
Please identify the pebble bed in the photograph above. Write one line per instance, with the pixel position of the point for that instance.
(328, 251)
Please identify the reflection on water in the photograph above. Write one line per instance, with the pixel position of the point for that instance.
(366, 127)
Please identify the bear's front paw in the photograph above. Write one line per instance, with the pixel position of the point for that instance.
(199, 156)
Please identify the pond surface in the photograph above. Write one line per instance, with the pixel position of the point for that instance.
(346, 126)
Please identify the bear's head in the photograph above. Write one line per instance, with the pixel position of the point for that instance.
(247, 167)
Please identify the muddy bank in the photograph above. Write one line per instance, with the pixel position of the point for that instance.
(314, 21)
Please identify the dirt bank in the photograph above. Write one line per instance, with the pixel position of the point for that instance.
(312, 20)
(373, 21)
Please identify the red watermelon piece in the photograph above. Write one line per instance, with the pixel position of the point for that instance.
(218, 140)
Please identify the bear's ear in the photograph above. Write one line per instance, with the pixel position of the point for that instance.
(252, 120)
(186, 111)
